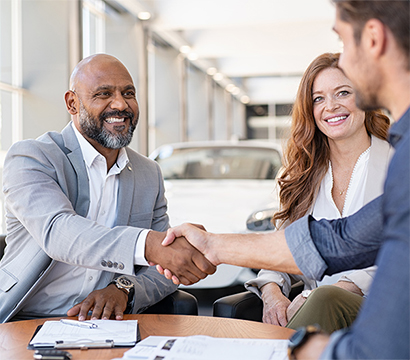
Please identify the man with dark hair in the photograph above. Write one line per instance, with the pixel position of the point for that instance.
(376, 59)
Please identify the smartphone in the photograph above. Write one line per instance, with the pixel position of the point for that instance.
(52, 354)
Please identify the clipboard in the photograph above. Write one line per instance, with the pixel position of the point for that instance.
(82, 344)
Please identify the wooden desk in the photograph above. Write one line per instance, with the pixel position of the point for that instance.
(15, 336)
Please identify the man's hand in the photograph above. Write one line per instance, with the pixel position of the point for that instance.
(104, 303)
(275, 305)
(196, 235)
(185, 264)
(313, 347)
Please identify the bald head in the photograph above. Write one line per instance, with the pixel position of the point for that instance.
(102, 102)
(90, 65)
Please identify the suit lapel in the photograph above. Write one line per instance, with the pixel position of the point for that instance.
(125, 195)
(75, 156)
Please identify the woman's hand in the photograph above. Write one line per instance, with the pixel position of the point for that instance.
(275, 305)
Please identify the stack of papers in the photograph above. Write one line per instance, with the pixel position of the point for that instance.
(206, 347)
(108, 333)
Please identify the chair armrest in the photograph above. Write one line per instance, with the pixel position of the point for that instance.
(245, 305)
(177, 303)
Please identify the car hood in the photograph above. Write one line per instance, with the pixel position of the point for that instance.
(219, 205)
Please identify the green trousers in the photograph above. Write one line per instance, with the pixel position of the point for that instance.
(330, 307)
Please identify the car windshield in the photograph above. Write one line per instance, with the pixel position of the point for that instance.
(219, 163)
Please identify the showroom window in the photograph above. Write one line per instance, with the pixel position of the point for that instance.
(93, 27)
(10, 74)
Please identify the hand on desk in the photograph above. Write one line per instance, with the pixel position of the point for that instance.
(184, 263)
(104, 303)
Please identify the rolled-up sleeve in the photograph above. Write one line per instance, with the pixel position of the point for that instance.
(303, 249)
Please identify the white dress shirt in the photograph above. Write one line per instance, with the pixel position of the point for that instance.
(68, 284)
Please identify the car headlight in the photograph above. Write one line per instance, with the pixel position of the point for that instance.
(261, 220)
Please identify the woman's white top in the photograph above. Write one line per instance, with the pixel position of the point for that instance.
(325, 208)
(366, 183)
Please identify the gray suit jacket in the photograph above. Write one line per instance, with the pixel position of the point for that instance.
(47, 198)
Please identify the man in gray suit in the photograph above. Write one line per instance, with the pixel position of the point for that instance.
(79, 205)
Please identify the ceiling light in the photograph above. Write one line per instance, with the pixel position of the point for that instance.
(192, 56)
(218, 77)
(144, 15)
(230, 87)
(184, 49)
(245, 99)
(236, 91)
(211, 71)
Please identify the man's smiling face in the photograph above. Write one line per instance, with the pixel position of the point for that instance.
(108, 109)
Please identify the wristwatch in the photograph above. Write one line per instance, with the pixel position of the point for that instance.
(127, 286)
(300, 337)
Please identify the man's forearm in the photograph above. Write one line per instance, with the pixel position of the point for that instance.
(261, 251)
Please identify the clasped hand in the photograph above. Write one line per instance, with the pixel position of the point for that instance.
(179, 260)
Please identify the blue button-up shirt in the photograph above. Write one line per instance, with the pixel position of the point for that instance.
(378, 233)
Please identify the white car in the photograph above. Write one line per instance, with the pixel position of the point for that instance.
(223, 186)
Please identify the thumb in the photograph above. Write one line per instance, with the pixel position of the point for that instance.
(169, 238)
(74, 310)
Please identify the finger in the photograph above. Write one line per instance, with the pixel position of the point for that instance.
(107, 311)
(85, 306)
(168, 274)
(188, 278)
(97, 311)
(150, 263)
(169, 238)
(160, 269)
(282, 319)
(74, 310)
(119, 312)
(203, 264)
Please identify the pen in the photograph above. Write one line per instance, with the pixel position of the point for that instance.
(82, 324)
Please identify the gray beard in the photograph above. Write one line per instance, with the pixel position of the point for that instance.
(95, 130)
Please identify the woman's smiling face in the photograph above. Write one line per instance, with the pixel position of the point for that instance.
(334, 108)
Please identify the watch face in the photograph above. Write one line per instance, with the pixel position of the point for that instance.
(125, 282)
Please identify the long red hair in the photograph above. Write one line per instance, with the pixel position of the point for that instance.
(306, 156)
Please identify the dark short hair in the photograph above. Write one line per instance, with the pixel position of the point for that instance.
(393, 14)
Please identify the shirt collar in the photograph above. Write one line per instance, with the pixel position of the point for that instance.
(90, 153)
(399, 129)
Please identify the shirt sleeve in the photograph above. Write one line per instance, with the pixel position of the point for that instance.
(139, 255)
(327, 247)
(361, 278)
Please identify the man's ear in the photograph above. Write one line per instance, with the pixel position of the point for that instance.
(70, 102)
(374, 37)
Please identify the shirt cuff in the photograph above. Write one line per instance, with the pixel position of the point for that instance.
(139, 255)
(303, 249)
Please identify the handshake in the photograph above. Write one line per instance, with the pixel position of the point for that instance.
(189, 253)
(185, 255)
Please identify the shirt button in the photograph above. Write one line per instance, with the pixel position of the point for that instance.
(90, 278)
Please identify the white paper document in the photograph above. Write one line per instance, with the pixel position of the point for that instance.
(207, 348)
(119, 333)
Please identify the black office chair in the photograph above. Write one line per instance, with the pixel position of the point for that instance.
(177, 303)
(246, 305)
(2, 245)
